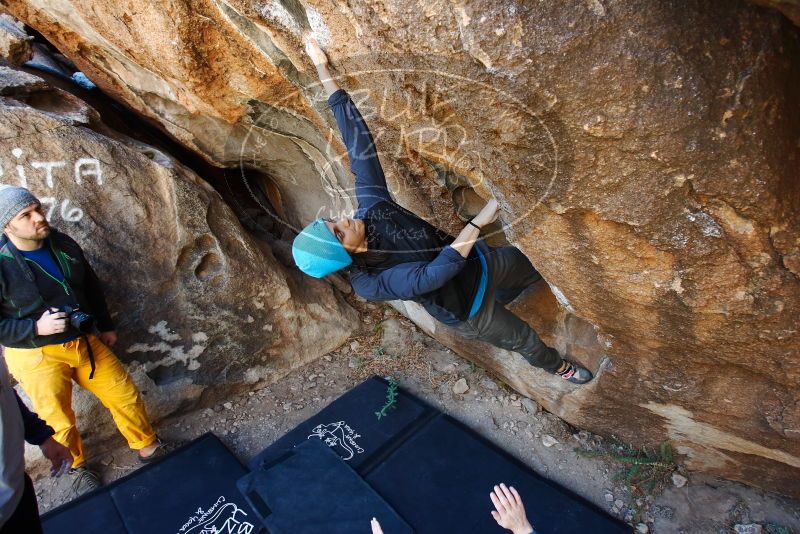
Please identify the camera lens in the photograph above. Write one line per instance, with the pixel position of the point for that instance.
(82, 322)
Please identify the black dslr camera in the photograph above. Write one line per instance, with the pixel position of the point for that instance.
(80, 321)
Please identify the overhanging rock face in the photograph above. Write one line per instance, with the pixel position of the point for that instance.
(645, 154)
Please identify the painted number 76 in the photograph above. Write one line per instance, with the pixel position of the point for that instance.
(67, 213)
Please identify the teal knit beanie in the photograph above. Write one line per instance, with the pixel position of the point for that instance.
(317, 252)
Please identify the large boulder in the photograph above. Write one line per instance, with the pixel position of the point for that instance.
(201, 307)
(645, 154)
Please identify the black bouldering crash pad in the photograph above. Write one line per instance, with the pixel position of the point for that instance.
(310, 490)
(351, 428)
(432, 470)
(190, 491)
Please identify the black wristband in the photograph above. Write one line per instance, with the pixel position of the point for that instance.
(473, 224)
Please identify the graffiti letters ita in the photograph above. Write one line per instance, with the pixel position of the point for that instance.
(221, 518)
(340, 437)
(26, 171)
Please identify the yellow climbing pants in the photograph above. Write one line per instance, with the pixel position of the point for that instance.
(46, 375)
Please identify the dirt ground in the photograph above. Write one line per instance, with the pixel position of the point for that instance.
(392, 346)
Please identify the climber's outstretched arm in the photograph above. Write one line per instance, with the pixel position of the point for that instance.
(370, 180)
(320, 61)
(364, 162)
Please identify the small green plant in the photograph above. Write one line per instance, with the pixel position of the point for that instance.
(643, 471)
(378, 351)
(378, 328)
(472, 367)
(391, 399)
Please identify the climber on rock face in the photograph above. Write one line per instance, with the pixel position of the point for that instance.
(391, 254)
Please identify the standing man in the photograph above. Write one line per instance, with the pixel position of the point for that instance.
(19, 511)
(55, 327)
(390, 253)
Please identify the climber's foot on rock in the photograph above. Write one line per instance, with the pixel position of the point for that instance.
(572, 372)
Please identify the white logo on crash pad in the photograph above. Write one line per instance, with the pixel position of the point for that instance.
(222, 517)
(340, 437)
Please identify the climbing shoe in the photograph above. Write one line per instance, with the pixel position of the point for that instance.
(83, 480)
(575, 373)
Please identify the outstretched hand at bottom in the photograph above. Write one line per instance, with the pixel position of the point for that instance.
(376, 527)
(509, 511)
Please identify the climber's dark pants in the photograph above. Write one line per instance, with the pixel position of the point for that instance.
(510, 272)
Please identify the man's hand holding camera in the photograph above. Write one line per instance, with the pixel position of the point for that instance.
(55, 321)
(51, 322)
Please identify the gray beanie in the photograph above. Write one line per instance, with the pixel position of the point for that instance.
(13, 199)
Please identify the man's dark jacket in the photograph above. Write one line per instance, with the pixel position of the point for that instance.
(27, 290)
